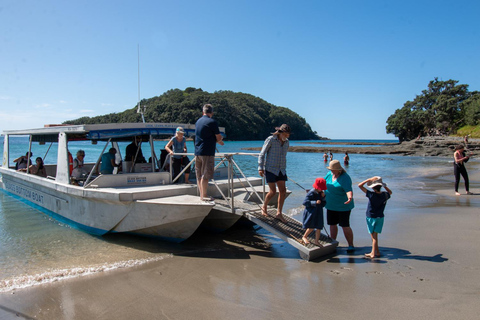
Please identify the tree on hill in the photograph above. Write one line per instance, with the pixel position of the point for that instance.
(244, 116)
(440, 110)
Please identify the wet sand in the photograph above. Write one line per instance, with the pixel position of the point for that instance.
(429, 270)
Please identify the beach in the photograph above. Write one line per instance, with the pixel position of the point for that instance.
(428, 270)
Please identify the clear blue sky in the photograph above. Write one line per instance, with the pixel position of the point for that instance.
(345, 66)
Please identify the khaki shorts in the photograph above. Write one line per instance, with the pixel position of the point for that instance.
(204, 167)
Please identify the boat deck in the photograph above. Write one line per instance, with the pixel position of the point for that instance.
(291, 232)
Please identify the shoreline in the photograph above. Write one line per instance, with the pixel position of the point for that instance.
(428, 270)
(428, 146)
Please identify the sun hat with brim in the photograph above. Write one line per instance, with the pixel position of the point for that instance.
(180, 130)
(284, 128)
(320, 184)
(335, 165)
(377, 182)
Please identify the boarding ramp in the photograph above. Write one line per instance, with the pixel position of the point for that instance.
(230, 207)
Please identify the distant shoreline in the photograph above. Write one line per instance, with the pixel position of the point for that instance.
(428, 146)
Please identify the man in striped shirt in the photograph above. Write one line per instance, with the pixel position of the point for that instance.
(272, 164)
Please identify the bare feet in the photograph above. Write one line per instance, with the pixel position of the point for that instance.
(280, 217)
(369, 255)
(469, 193)
(305, 240)
(457, 193)
(264, 212)
(317, 244)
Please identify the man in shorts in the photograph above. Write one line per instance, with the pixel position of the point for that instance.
(207, 135)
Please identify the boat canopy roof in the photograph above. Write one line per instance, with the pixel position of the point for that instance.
(114, 131)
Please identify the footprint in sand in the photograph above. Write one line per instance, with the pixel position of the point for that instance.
(336, 271)
(374, 272)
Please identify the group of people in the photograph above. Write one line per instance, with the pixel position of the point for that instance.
(24, 164)
(334, 192)
(326, 156)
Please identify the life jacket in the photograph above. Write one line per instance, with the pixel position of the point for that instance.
(70, 163)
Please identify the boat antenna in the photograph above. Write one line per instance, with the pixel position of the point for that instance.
(139, 108)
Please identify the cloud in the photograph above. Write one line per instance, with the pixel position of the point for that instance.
(43, 106)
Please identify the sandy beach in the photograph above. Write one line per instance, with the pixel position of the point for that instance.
(429, 269)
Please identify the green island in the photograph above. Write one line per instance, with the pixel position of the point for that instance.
(430, 125)
(244, 116)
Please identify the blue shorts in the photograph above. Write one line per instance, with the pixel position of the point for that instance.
(375, 225)
(272, 178)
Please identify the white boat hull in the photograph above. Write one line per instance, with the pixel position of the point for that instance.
(173, 217)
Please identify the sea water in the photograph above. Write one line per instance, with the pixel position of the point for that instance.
(35, 248)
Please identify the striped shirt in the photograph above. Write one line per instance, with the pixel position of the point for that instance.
(273, 157)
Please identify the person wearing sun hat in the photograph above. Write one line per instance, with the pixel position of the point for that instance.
(339, 195)
(375, 210)
(313, 212)
(178, 145)
(272, 164)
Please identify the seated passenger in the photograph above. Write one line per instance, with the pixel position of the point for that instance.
(23, 162)
(37, 169)
(79, 171)
(108, 162)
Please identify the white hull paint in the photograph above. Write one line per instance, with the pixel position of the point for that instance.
(97, 211)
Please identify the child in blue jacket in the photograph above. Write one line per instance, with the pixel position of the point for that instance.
(313, 213)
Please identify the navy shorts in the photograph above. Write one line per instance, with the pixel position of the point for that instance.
(342, 218)
(272, 178)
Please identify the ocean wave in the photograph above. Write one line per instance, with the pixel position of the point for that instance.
(24, 281)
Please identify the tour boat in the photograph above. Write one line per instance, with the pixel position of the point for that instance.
(140, 200)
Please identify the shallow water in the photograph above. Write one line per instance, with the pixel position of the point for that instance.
(35, 248)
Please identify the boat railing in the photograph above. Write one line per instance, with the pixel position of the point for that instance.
(228, 167)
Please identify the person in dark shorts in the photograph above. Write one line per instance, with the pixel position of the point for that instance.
(272, 164)
(340, 202)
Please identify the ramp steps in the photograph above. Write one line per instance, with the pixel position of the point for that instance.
(291, 232)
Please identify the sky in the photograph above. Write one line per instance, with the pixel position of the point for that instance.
(344, 66)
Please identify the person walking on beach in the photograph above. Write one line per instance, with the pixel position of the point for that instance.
(272, 164)
(459, 168)
(207, 135)
(340, 202)
(313, 212)
(375, 210)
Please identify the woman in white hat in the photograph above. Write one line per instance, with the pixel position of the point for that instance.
(178, 145)
(340, 203)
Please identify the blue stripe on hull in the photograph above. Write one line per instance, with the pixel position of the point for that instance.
(59, 218)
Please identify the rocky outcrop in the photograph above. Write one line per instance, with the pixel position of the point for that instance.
(428, 146)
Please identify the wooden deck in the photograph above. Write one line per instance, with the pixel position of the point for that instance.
(291, 232)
